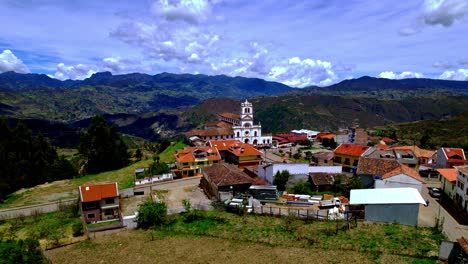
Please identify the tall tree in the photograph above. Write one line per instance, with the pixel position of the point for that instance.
(281, 178)
(103, 147)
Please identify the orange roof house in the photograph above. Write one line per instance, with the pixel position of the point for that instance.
(450, 157)
(400, 177)
(189, 161)
(99, 202)
(236, 152)
(448, 178)
(96, 192)
(347, 155)
(423, 155)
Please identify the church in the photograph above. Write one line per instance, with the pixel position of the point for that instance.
(233, 126)
(246, 131)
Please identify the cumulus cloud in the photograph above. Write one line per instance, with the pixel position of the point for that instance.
(180, 33)
(76, 72)
(402, 75)
(306, 72)
(444, 12)
(458, 75)
(297, 72)
(9, 62)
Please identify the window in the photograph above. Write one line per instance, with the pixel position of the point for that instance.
(346, 161)
(238, 134)
(255, 133)
(109, 212)
(246, 133)
(109, 200)
(89, 206)
(355, 163)
(338, 159)
(91, 216)
(185, 164)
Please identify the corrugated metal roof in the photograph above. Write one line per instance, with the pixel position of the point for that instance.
(386, 196)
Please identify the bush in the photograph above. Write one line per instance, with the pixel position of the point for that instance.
(151, 213)
(77, 229)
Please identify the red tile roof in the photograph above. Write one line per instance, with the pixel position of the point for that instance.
(403, 169)
(454, 154)
(350, 150)
(188, 154)
(226, 175)
(96, 192)
(230, 115)
(244, 149)
(220, 131)
(387, 140)
(449, 174)
(329, 136)
(372, 166)
(223, 144)
(419, 152)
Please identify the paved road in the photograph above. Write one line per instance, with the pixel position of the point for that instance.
(428, 216)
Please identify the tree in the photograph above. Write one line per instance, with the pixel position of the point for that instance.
(281, 178)
(151, 214)
(138, 154)
(301, 187)
(103, 147)
(329, 143)
(354, 183)
(25, 160)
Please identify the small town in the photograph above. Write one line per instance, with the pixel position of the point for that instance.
(233, 131)
(346, 177)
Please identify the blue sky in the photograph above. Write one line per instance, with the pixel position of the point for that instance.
(299, 43)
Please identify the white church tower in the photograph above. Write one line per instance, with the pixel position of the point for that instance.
(247, 132)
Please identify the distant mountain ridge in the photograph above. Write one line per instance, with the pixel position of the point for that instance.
(387, 88)
(39, 96)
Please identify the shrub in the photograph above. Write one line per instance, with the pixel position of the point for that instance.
(77, 229)
(151, 213)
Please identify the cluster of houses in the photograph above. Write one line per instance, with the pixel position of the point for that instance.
(229, 154)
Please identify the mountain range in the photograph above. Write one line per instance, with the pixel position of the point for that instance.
(166, 104)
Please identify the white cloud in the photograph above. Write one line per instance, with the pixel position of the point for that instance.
(77, 72)
(408, 31)
(402, 75)
(9, 62)
(442, 65)
(458, 75)
(306, 72)
(190, 11)
(444, 12)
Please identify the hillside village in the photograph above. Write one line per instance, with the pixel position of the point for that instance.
(374, 179)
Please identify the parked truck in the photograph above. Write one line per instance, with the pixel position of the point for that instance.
(330, 203)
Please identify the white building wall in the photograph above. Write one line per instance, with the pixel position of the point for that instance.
(441, 161)
(462, 189)
(398, 181)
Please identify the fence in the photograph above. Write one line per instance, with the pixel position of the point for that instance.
(18, 212)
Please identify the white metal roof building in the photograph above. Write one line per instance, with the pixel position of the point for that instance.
(393, 205)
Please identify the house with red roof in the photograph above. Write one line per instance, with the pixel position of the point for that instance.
(450, 157)
(235, 152)
(190, 160)
(448, 178)
(347, 156)
(99, 202)
(400, 177)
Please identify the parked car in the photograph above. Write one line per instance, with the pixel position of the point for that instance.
(435, 192)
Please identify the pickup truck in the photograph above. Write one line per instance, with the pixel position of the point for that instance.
(330, 203)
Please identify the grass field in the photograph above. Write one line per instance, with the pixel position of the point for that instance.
(68, 189)
(50, 229)
(216, 237)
